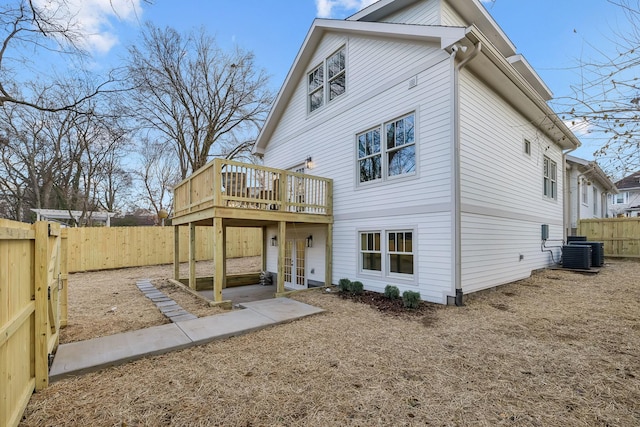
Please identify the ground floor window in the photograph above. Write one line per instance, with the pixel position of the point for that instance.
(393, 256)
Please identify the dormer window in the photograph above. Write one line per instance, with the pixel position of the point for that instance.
(333, 81)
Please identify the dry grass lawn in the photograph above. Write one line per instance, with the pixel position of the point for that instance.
(558, 349)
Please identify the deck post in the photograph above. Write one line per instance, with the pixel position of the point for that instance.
(176, 252)
(265, 240)
(282, 234)
(218, 259)
(224, 257)
(192, 255)
(328, 257)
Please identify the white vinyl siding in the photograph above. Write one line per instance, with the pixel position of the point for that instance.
(420, 13)
(501, 190)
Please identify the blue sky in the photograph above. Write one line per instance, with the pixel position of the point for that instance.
(552, 34)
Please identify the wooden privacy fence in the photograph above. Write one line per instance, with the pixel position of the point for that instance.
(33, 296)
(103, 248)
(621, 236)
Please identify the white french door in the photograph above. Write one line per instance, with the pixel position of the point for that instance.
(294, 264)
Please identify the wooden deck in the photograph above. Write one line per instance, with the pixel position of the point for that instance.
(226, 193)
(244, 194)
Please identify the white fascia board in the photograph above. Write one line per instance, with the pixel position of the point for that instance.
(379, 10)
(443, 36)
(520, 63)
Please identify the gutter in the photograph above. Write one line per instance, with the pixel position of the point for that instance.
(457, 226)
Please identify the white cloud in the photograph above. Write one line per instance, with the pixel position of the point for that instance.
(92, 19)
(580, 127)
(327, 8)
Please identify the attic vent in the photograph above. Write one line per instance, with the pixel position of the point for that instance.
(413, 82)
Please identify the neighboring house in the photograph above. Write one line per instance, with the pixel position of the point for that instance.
(589, 191)
(627, 201)
(445, 158)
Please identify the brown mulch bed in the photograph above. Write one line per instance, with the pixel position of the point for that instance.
(557, 349)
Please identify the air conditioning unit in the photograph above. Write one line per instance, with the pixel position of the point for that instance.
(576, 239)
(597, 252)
(576, 256)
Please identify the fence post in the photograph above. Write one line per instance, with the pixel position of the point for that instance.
(42, 255)
(64, 278)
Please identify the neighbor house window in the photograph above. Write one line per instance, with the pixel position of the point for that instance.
(370, 252)
(527, 147)
(400, 252)
(333, 81)
(595, 201)
(550, 185)
(585, 192)
(393, 156)
(620, 198)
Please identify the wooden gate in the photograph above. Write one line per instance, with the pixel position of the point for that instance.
(33, 303)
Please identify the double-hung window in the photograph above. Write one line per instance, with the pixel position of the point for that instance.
(550, 184)
(391, 258)
(394, 156)
(620, 198)
(370, 251)
(595, 202)
(400, 252)
(585, 193)
(327, 84)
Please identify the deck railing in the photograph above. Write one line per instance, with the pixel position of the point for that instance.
(227, 183)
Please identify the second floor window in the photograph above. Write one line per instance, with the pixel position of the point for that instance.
(393, 156)
(327, 80)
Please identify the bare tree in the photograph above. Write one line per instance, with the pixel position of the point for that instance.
(31, 32)
(196, 97)
(158, 174)
(606, 100)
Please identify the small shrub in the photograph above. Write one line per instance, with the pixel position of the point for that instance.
(391, 292)
(344, 285)
(357, 288)
(411, 299)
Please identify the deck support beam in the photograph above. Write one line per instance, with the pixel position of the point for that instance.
(192, 255)
(176, 252)
(218, 258)
(282, 234)
(328, 257)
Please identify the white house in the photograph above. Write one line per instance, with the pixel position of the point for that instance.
(589, 191)
(446, 159)
(627, 201)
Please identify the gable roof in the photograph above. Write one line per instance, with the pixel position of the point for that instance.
(630, 182)
(593, 171)
(497, 51)
(443, 36)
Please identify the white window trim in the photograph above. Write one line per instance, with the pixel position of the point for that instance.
(625, 198)
(384, 152)
(526, 147)
(384, 273)
(325, 87)
(584, 193)
(552, 165)
(361, 268)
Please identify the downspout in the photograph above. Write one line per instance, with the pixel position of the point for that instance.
(457, 228)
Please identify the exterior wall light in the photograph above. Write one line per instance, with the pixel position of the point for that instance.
(274, 241)
(310, 241)
(308, 163)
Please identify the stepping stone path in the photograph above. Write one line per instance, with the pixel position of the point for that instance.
(166, 305)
